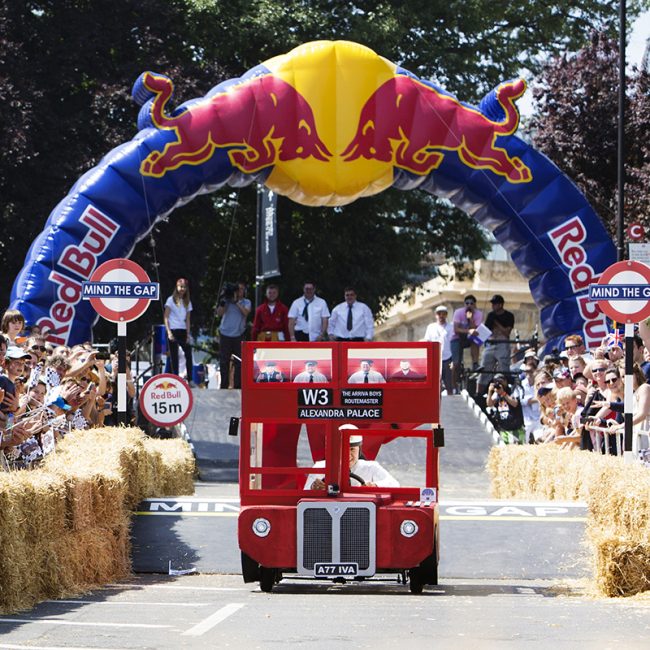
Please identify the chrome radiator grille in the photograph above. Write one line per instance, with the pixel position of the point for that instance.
(355, 537)
(317, 536)
(336, 532)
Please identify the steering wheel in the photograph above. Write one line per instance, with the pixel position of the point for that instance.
(356, 477)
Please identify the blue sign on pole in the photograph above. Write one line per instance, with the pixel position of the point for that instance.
(134, 290)
(619, 292)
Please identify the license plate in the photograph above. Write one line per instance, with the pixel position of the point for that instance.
(332, 570)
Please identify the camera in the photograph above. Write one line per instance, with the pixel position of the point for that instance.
(227, 293)
(103, 355)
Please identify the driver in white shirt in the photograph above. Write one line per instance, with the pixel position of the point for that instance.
(369, 471)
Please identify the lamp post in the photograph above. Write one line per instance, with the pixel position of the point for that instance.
(621, 133)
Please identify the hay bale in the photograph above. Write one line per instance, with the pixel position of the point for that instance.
(173, 466)
(64, 527)
(542, 472)
(622, 565)
(618, 496)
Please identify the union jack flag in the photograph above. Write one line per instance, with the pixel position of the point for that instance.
(615, 338)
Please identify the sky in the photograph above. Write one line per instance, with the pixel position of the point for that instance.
(640, 33)
(633, 55)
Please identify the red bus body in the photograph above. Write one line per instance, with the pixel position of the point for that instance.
(346, 531)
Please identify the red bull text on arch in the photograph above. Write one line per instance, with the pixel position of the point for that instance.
(324, 125)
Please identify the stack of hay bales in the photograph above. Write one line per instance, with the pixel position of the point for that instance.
(64, 527)
(618, 496)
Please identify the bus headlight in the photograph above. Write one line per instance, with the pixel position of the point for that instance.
(261, 527)
(408, 528)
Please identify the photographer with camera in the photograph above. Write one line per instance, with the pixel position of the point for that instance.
(504, 408)
(233, 308)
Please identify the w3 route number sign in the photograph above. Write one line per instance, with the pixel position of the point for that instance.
(166, 400)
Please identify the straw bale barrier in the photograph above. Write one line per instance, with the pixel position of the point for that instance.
(64, 527)
(617, 494)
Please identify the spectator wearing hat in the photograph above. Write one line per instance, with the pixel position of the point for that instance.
(496, 352)
(270, 373)
(15, 358)
(465, 321)
(369, 471)
(310, 374)
(441, 331)
(562, 378)
(8, 399)
(366, 375)
(351, 320)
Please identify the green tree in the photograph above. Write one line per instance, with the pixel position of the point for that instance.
(576, 121)
(66, 69)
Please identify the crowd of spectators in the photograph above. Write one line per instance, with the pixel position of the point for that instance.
(47, 390)
(573, 399)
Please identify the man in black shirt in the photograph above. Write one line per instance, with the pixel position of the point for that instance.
(496, 352)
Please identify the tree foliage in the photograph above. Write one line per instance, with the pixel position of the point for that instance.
(576, 122)
(67, 66)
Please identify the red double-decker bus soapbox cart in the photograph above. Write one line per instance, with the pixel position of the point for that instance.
(338, 465)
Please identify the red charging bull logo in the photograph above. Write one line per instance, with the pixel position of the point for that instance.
(412, 125)
(329, 137)
(260, 121)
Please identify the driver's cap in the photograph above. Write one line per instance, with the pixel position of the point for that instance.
(355, 441)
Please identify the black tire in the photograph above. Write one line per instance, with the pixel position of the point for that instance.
(250, 569)
(416, 582)
(426, 573)
(267, 579)
(429, 567)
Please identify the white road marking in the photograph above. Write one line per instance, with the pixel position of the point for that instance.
(145, 586)
(208, 623)
(14, 646)
(58, 621)
(130, 602)
(513, 502)
(190, 500)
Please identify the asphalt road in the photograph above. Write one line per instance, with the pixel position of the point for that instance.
(160, 612)
(512, 574)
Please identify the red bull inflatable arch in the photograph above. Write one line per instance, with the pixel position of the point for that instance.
(325, 124)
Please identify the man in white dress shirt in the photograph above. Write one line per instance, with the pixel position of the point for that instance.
(351, 320)
(366, 375)
(308, 316)
(310, 374)
(369, 471)
(441, 332)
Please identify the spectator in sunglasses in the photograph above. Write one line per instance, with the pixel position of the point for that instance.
(574, 346)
